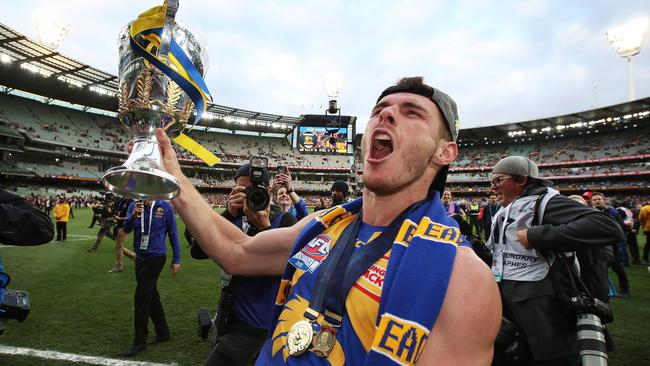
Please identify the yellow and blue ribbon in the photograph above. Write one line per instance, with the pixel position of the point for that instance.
(177, 66)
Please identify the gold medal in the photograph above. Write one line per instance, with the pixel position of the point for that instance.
(299, 338)
(324, 341)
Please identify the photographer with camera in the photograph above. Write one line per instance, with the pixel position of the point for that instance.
(121, 210)
(106, 221)
(22, 224)
(529, 237)
(246, 302)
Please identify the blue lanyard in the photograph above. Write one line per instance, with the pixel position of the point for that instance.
(343, 267)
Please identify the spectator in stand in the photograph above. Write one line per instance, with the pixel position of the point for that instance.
(587, 198)
(451, 206)
(644, 220)
(62, 216)
(599, 202)
(489, 211)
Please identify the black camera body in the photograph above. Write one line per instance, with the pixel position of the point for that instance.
(15, 304)
(257, 195)
(591, 314)
(583, 304)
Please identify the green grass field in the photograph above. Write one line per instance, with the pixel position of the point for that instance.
(77, 307)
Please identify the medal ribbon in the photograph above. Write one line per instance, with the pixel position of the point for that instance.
(344, 268)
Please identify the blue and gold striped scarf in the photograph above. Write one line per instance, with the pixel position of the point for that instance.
(423, 252)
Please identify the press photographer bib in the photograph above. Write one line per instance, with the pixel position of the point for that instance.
(511, 261)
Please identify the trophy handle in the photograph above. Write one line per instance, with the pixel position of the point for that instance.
(168, 27)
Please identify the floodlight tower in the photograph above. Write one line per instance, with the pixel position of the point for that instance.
(627, 40)
(50, 30)
(333, 83)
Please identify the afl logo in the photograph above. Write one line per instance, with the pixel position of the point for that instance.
(308, 140)
(318, 248)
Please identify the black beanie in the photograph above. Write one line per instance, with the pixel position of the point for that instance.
(341, 186)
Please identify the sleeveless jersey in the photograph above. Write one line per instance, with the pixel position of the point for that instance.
(357, 331)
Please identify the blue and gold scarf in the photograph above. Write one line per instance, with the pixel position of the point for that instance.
(423, 252)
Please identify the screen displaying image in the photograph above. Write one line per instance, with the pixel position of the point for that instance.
(319, 140)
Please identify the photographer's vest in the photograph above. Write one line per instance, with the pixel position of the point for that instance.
(511, 261)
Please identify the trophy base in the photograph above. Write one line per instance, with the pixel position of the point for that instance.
(141, 183)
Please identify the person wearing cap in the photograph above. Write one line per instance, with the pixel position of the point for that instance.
(383, 279)
(246, 302)
(587, 196)
(339, 191)
(524, 260)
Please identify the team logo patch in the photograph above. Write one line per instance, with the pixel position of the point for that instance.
(313, 254)
(159, 212)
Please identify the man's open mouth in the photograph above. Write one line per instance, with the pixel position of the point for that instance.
(381, 146)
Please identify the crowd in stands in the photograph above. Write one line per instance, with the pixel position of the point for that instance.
(624, 142)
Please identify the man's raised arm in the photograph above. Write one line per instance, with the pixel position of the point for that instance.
(234, 251)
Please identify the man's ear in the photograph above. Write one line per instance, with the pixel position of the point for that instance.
(445, 154)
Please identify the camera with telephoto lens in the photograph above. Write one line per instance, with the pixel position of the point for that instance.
(257, 195)
(592, 340)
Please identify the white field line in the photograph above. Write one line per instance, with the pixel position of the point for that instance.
(82, 238)
(71, 357)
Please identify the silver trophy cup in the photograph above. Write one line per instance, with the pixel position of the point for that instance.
(148, 100)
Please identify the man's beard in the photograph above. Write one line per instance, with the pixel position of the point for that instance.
(388, 186)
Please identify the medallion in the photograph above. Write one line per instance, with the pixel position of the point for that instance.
(324, 341)
(299, 338)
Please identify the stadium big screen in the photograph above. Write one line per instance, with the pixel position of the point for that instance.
(320, 140)
(320, 134)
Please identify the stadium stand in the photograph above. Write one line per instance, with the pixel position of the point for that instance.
(62, 131)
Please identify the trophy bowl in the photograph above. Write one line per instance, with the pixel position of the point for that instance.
(149, 99)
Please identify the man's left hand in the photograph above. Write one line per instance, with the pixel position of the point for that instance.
(522, 238)
(175, 268)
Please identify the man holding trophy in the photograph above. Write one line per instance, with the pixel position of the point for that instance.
(161, 67)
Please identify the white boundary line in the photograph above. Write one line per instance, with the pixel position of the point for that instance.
(71, 357)
(83, 237)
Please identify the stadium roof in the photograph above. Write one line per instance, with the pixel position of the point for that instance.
(33, 67)
(624, 111)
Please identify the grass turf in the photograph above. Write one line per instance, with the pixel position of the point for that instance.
(77, 307)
